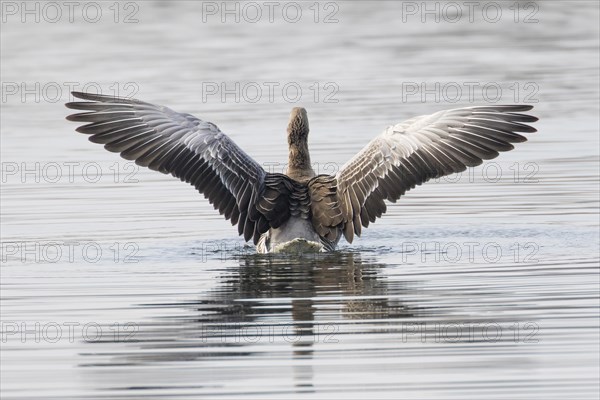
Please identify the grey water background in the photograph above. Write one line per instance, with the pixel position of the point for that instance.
(117, 282)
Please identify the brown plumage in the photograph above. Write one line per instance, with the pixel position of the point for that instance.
(273, 208)
(299, 165)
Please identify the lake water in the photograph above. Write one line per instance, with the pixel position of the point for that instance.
(119, 282)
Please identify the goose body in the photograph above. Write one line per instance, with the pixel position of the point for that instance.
(296, 235)
(300, 210)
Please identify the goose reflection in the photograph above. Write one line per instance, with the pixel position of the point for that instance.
(268, 305)
(304, 302)
(301, 299)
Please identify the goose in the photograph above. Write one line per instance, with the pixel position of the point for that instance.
(300, 207)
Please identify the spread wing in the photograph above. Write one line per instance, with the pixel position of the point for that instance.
(196, 152)
(412, 152)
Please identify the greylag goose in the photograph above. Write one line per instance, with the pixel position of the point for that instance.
(300, 207)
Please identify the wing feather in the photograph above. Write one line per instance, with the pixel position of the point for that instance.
(192, 150)
(410, 153)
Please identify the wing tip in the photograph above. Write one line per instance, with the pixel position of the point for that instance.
(102, 98)
(72, 117)
(523, 107)
(507, 107)
(87, 96)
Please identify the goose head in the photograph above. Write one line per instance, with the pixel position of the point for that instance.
(297, 129)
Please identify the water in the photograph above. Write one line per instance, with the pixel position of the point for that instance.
(484, 284)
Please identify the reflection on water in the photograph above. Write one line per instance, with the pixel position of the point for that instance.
(282, 326)
(299, 301)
